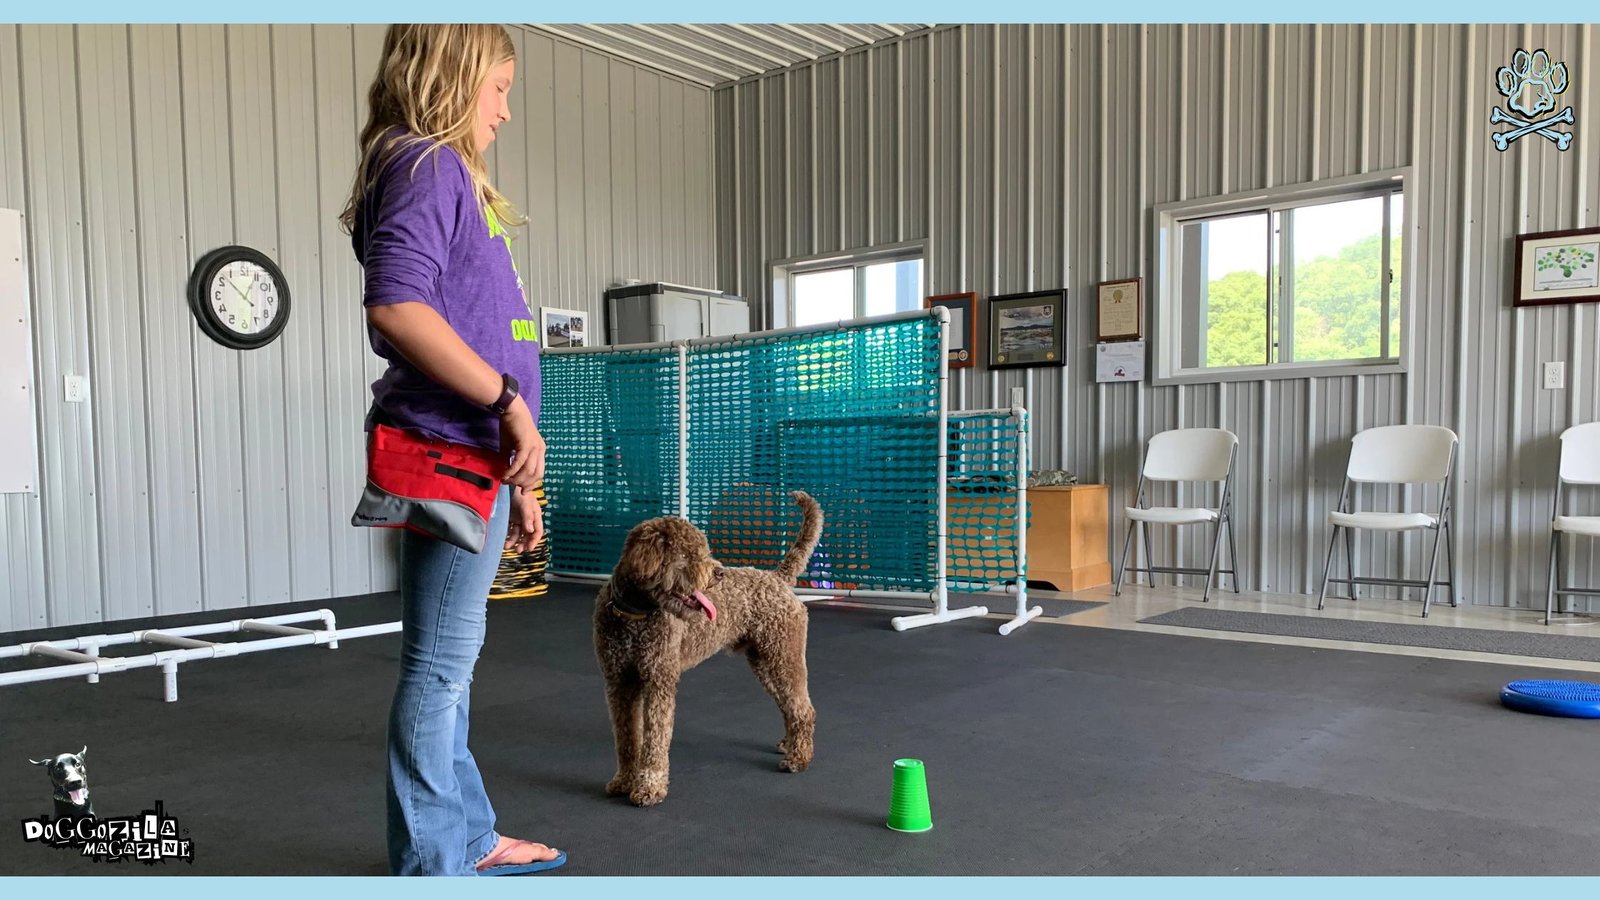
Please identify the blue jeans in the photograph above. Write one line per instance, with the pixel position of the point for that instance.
(440, 819)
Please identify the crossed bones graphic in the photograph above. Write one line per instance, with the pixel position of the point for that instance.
(1503, 139)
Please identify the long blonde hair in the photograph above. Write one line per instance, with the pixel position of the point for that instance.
(427, 84)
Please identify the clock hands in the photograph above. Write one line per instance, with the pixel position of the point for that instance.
(242, 295)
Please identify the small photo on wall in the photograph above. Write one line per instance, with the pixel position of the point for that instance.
(563, 327)
(1027, 329)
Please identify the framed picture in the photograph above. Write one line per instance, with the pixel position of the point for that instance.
(963, 349)
(1557, 267)
(1119, 310)
(563, 327)
(1027, 329)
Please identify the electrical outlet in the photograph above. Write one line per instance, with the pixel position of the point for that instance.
(77, 387)
(1555, 376)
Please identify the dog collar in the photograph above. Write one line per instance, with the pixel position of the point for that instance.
(626, 613)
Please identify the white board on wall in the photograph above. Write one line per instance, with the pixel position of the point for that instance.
(19, 463)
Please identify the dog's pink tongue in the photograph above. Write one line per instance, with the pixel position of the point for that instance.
(707, 605)
(77, 795)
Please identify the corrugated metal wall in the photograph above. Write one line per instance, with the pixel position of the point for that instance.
(197, 477)
(1028, 157)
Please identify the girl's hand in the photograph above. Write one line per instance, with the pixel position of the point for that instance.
(520, 438)
(527, 522)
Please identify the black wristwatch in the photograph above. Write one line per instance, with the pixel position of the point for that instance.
(508, 395)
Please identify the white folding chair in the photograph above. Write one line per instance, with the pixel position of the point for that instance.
(1580, 464)
(1188, 455)
(1395, 454)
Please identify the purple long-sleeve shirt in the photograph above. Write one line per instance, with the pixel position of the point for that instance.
(420, 236)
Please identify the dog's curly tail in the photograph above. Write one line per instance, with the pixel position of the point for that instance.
(794, 562)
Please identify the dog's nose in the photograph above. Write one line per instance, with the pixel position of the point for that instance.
(718, 573)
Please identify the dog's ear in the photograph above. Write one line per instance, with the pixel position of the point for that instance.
(84, 752)
(40, 762)
(645, 556)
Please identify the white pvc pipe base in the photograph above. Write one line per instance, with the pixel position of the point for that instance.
(1021, 619)
(901, 623)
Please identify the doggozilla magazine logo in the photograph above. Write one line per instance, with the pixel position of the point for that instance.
(151, 837)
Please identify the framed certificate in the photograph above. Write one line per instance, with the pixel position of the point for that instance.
(1119, 310)
(963, 349)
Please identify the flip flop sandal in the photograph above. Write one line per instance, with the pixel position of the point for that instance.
(489, 868)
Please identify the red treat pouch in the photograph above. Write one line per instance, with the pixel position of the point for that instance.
(440, 489)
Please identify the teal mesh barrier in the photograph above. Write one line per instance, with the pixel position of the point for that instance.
(981, 482)
(849, 415)
(610, 422)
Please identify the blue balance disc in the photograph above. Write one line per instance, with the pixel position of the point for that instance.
(1573, 699)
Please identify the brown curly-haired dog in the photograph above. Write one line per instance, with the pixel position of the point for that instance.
(668, 607)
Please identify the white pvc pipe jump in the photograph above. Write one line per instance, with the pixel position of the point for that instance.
(1024, 615)
(941, 602)
(185, 647)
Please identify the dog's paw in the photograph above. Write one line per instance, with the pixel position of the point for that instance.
(647, 796)
(794, 762)
(619, 786)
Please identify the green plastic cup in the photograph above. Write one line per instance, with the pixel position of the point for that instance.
(908, 803)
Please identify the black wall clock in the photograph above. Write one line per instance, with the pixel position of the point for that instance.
(239, 297)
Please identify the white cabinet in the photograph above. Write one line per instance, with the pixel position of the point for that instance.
(651, 313)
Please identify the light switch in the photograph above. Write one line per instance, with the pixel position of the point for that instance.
(77, 388)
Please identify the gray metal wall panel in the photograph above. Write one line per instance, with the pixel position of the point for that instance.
(196, 477)
(724, 157)
(598, 213)
(22, 594)
(855, 96)
(800, 163)
(344, 392)
(58, 260)
(304, 364)
(260, 395)
(168, 411)
(699, 180)
(624, 173)
(772, 193)
(209, 176)
(912, 144)
(538, 239)
(1047, 146)
(115, 320)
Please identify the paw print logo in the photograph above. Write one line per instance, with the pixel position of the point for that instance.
(1530, 85)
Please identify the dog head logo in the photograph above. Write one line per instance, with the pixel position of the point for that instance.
(1530, 85)
(69, 777)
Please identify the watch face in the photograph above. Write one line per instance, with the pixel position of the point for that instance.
(244, 298)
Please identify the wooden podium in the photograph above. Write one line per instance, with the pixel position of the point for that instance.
(1067, 545)
(1067, 536)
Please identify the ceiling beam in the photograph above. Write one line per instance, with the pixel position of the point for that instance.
(611, 32)
(813, 37)
(801, 53)
(708, 51)
(745, 46)
(861, 36)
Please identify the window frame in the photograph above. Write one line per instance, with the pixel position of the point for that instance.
(783, 272)
(1168, 221)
